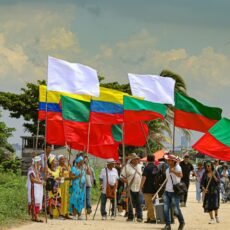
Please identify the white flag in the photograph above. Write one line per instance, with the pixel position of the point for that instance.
(73, 78)
(153, 88)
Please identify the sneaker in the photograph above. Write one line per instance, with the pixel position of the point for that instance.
(212, 221)
(74, 218)
(166, 227)
(217, 219)
(181, 226)
(103, 217)
(112, 217)
(139, 220)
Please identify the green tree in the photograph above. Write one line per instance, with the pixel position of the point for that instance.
(24, 104)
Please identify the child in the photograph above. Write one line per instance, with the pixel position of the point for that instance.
(55, 201)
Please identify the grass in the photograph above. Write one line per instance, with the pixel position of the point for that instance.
(95, 192)
(13, 199)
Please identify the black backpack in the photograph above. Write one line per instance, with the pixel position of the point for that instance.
(159, 178)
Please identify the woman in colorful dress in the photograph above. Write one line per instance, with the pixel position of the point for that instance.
(64, 186)
(77, 199)
(210, 184)
(35, 189)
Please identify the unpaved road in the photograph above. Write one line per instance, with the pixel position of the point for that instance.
(194, 216)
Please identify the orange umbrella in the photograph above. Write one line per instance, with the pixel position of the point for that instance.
(159, 154)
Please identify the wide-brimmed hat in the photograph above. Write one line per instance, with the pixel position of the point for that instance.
(133, 156)
(110, 161)
(171, 157)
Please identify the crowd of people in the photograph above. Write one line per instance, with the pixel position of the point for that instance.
(130, 187)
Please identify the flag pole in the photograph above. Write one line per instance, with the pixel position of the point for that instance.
(36, 143)
(45, 157)
(174, 133)
(123, 143)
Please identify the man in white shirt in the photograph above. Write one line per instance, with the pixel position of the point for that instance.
(110, 175)
(171, 200)
(131, 174)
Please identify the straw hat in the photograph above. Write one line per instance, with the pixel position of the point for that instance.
(171, 157)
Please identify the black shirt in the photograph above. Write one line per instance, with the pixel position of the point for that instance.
(149, 172)
(186, 169)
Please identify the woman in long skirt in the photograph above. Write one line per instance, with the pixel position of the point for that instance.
(35, 189)
(210, 186)
(77, 199)
(64, 186)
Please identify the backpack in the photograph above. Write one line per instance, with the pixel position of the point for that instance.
(159, 178)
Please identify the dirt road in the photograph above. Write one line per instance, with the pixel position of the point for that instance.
(194, 216)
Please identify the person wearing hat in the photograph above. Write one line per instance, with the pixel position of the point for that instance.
(171, 200)
(108, 178)
(187, 168)
(44, 159)
(55, 173)
(64, 169)
(77, 198)
(35, 189)
(131, 175)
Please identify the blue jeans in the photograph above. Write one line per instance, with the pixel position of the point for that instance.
(136, 199)
(88, 197)
(171, 200)
(103, 205)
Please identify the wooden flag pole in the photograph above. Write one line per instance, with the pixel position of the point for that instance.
(36, 143)
(174, 134)
(123, 143)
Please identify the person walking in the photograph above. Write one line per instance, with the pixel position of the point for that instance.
(187, 168)
(147, 186)
(199, 171)
(108, 185)
(131, 174)
(210, 185)
(171, 199)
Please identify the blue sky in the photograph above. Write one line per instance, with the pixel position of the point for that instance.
(191, 38)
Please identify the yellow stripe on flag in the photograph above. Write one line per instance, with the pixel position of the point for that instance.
(110, 95)
(55, 97)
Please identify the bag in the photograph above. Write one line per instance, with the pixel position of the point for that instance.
(50, 182)
(159, 178)
(179, 188)
(110, 189)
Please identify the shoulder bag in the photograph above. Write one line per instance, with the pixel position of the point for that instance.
(179, 188)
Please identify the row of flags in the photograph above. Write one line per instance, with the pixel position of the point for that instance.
(96, 119)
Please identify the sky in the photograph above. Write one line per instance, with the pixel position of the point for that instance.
(190, 38)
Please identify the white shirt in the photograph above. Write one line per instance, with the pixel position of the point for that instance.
(112, 178)
(175, 179)
(128, 173)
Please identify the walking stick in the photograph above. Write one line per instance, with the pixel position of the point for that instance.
(97, 207)
(153, 198)
(115, 203)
